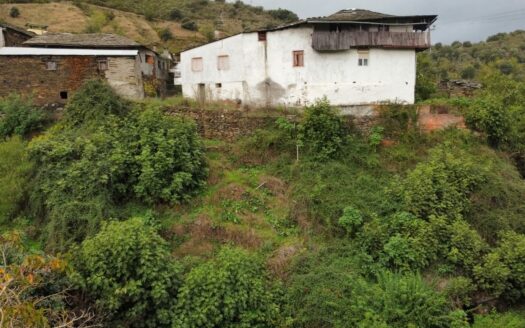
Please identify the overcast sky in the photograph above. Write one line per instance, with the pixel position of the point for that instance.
(461, 20)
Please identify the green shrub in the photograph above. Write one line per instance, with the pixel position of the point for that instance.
(170, 158)
(503, 270)
(499, 320)
(15, 172)
(165, 34)
(93, 104)
(14, 12)
(129, 273)
(491, 116)
(327, 290)
(19, 117)
(230, 291)
(322, 132)
(352, 220)
(442, 185)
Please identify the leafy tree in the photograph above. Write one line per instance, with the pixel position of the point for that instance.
(352, 220)
(283, 15)
(14, 12)
(229, 291)
(19, 117)
(129, 273)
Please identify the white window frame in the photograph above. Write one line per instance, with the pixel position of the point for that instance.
(197, 64)
(223, 62)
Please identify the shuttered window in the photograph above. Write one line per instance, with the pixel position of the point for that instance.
(196, 64)
(298, 58)
(223, 63)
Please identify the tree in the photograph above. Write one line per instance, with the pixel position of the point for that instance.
(14, 12)
(127, 270)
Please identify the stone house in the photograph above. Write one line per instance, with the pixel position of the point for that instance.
(52, 66)
(353, 57)
(13, 36)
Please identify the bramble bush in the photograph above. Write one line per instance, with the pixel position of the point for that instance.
(322, 131)
(442, 185)
(18, 116)
(232, 290)
(127, 270)
(96, 161)
(327, 290)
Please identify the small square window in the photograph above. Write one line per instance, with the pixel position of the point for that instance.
(261, 36)
(51, 65)
(150, 59)
(63, 95)
(223, 63)
(102, 64)
(218, 85)
(196, 64)
(298, 58)
(362, 56)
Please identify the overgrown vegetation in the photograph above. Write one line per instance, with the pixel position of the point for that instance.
(305, 223)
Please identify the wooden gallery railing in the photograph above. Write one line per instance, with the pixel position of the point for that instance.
(344, 40)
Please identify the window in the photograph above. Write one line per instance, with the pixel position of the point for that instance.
(150, 59)
(362, 57)
(102, 64)
(63, 95)
(196, 64)
(51, 65)
(298, 58)
(218, 85)
(261, 36)
(223, 63)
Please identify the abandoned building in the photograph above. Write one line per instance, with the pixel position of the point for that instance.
(12, 36)
(50, 67)
(352, 57)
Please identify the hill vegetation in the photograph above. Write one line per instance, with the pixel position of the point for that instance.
(175, 24)
(120, 215)
(123, 216)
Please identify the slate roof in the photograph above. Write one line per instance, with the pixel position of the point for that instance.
(17, 29)
(362, 15)
(355, 15)
(91, 40)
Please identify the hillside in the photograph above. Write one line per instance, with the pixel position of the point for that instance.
(503, 53)
(163, 27)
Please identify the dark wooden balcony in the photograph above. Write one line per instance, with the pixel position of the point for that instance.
(344, 40)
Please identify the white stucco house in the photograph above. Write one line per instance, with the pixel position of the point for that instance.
(353, 57)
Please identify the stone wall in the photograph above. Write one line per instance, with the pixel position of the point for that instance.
(232, 124)
(28, 75)
(226, 124)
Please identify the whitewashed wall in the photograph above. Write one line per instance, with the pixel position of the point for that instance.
(262, 74)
